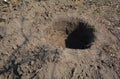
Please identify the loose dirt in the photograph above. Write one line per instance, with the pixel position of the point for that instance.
(60, 39)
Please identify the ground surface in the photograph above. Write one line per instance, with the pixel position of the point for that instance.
(32, 39)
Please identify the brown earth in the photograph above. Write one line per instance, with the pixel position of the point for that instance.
(60, 39)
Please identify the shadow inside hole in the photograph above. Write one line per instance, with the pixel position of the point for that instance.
(1, 37)
(81, 37)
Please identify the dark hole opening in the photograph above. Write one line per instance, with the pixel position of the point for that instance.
(1, 37)
(81, 37)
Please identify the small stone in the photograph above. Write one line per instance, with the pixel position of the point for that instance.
(32, 62)
(5, 0)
